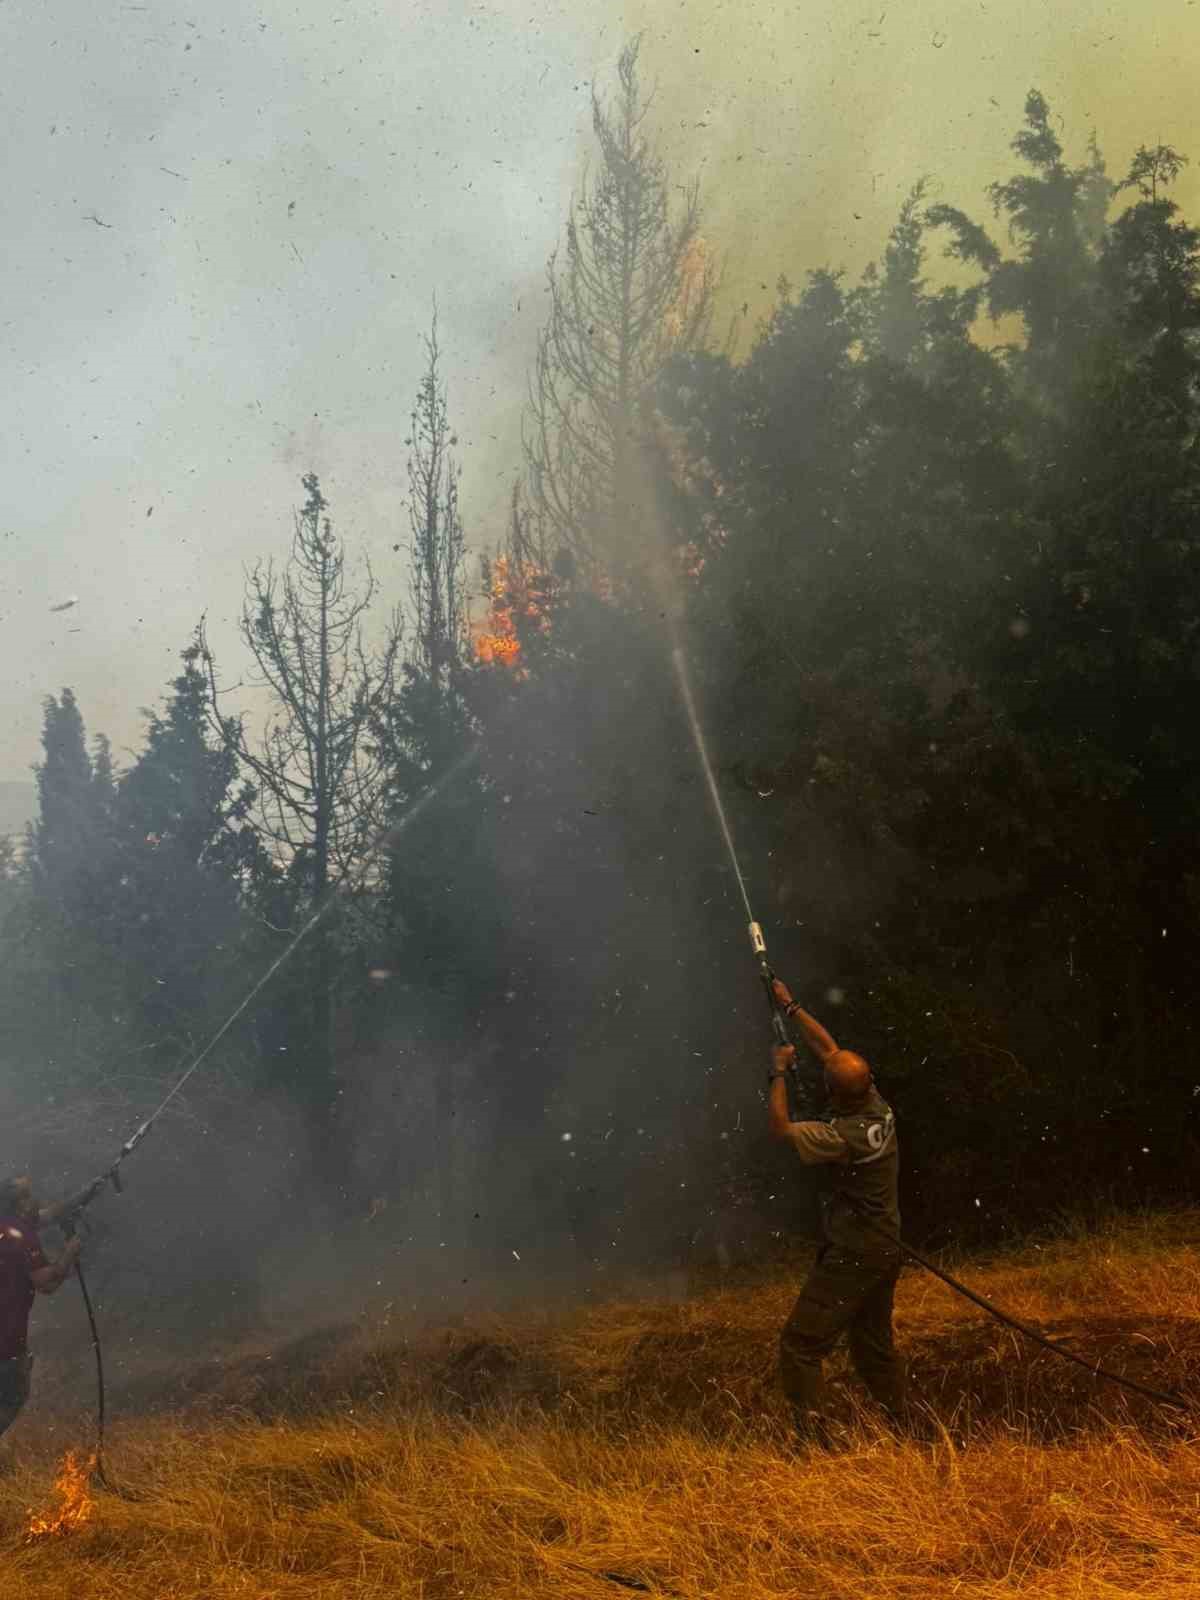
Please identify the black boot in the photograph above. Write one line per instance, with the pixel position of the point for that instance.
(816, 1432)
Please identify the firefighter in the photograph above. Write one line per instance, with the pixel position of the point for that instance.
(24, 1272)
(852, 1284)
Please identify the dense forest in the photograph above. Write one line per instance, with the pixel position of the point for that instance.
(930, 543)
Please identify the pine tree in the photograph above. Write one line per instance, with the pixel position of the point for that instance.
(437, 552)
(72, 795)
(187, 855)
(1056, 216)
(1150, 272)
(73, 871)
(633, 287)
(429, 725)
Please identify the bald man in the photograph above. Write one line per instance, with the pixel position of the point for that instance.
(852, 1284)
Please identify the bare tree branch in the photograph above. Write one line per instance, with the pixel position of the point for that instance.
(634, 285)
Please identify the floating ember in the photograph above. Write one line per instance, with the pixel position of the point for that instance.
(75, 1500)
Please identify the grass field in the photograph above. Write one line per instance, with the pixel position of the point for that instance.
(641, 1448)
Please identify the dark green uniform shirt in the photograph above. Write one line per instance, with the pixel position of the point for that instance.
(860, 1158)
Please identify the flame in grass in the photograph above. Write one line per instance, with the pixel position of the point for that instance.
(75, 1506)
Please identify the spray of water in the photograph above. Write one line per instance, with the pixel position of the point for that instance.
(689, 702)
(664, 578)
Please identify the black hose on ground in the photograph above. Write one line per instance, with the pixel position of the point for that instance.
(98, 1474)
(98, 1469)
(1165, 1397)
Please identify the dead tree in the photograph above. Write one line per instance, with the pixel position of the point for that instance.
(318, 770)
(438, 550)
(634, 285)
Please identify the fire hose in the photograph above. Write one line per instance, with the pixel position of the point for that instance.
(68, 1227)
(67, 1219)
(1162, 1396)
(779, 1027)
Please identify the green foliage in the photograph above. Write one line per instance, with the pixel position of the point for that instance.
(957, 594)
(184, 854)
(121, 926)
(938, 581)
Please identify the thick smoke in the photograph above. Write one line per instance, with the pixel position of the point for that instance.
(551, 1086)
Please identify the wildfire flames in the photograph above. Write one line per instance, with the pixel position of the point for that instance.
(75, 1500)
(694, 281)
(517, 595)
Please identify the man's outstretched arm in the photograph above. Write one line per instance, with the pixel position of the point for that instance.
(818, 1039)
(54, 1274)
(816, 1143)
(49, 1215)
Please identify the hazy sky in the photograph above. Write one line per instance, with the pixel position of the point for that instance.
(226, 225)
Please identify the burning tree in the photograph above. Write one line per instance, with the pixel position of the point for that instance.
(578, 703)
(496, 641)
(519, 596)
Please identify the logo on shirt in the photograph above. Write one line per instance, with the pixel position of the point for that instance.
(879, 1137)
(877, 1133)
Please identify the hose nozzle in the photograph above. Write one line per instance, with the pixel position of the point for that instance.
(757, 943)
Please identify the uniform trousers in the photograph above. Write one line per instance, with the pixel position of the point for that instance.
(852, 1293)
(15, 1373)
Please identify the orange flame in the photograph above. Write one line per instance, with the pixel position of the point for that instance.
(693, 282)
(76, 1505)
(518, 593)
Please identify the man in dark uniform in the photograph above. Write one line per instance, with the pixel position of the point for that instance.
(851, 1287)
(24, 1272)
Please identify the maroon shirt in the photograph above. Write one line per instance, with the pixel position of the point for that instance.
(20, 1257)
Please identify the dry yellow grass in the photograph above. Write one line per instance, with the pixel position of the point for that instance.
(590, 1491)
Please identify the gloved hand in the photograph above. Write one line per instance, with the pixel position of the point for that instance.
(87, 1194)
(68, 1212)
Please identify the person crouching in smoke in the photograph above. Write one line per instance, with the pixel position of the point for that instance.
(24, 1272)
(852, 1284)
